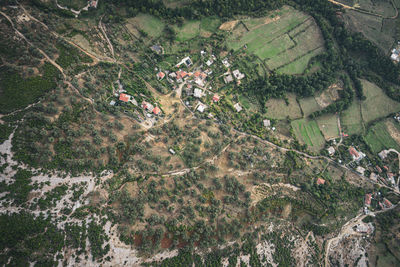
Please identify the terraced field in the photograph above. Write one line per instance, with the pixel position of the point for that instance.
(308, 132)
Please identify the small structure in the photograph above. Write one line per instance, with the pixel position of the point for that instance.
(374, 177)
(226, 62)
(320, 181)
(189, 90)
(395, 55)
(172, 75)
(124, 97)
(203, 53)
(383, 154)
(149, 107)
(378, 169)
(201, 107)
(171, 151)
(367, 200)
(112, 102)
(228, 78)
(209, 62)
(156, 111)
(157, 48)
(160, 75)
(360, 170)
(390, 178)
(331, 151)
(198, 93)
(357, 156)
(215, 98)
(93, 3)
(267, 123)
(237, 107)
(238, 75)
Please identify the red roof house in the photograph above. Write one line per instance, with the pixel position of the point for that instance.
(387, 203)
(124, 97)
(320, 181)
(216, 98)
(160, 75)
(156, 110)
(368, 199)
(354, 152)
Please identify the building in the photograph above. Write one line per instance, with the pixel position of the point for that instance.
(198, 93)
(124, 97)
(320, 181)
(149, 107)
(237, 107)
(112, 102)
(93, 3)
(331, 151)
(160, 75)
(378, 169)
(226, 63)
(187, 61)
(209, 62)
(383, 154)
(238, 75)
(267, 123)
(360, 170)
(156, 111)
(201, 107)
(157, 48)
(387, 204)
(228, 78)
(216, 98)
(390, 178)
(171, 151)
(374, 177)
(357, 155)
(367, 200)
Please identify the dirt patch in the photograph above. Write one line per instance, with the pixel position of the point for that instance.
(228, 26)
(328, 96)
(393, 131)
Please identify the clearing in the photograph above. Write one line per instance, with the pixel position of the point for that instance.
(308, 132)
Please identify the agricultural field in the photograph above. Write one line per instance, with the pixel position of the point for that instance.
(309, 105)
(284, 37)
(383, 8)
(378, 30)
(308, 132)
(377, 104)
(209, 25)
(189, 30)
(351, 120)
(278, 109)
(149, 24)
(328, 126)
(379, 137)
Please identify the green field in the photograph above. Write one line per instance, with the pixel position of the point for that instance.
(377, 104)
(307, 132)
(149, 24)
(189, 30)
(210, 24)
(309, 105)
(378, 138)
(328, 126)
(277, 108)
(350, 119)
(299, 65)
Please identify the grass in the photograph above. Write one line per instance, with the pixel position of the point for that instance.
(17, 92)
(307, 132)
(299, 65)
(328, 126)
(309, 105)
(210, 24)
(274, 47)
(277, 108)
(377, 104)
(188, 31)
(378, 138)
(351, 120)
(75, 4)
(149, 24)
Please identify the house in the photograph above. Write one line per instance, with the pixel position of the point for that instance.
(93, 3)
(160, 75)
(331, 151)
(320, 181)
(387, 204)
(267, 123)
(228, 78)
(390, 177)
(112, 102)
(383, 154)
(238, 75)
(237, 107)
(201, 107)
(157, 48)
(209, 62)
(215, 98)
(374, 177)
(378, 169)
(360, 170)
(367, 200)
(202, 53)
(198, 93)
(149, 107)
(357, 156)
(171, 151)
(226, 63)
(172, 75)
(124, 97)
(156, 111)
(187, 61)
